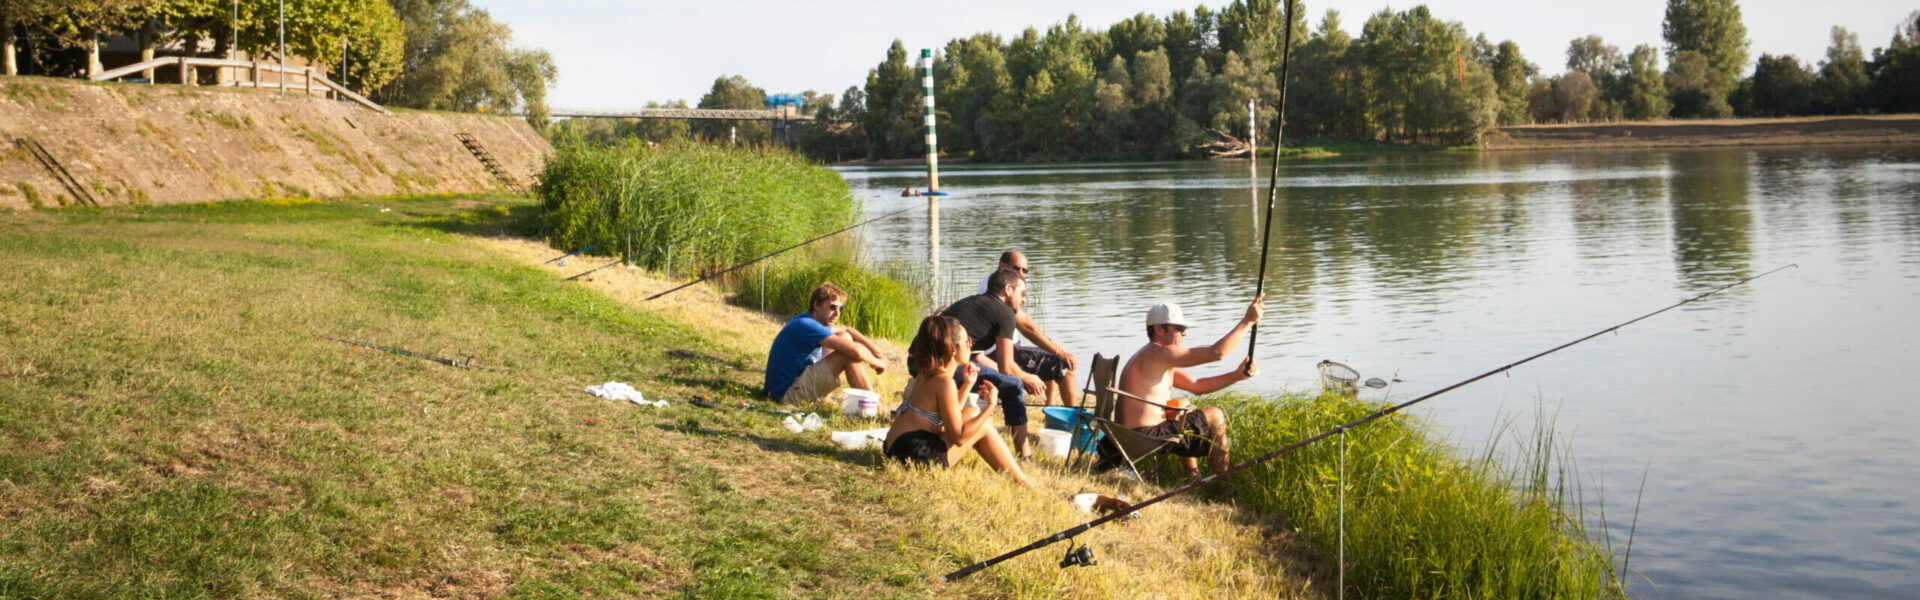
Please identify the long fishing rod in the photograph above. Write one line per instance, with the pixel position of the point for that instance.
(1069, 533)
(1273, 180)
(778, 252)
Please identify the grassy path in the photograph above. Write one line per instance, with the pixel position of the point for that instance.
(173, 426)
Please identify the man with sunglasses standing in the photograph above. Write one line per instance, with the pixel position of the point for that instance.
(1161, 365)
(812, 353)
(1045, 359)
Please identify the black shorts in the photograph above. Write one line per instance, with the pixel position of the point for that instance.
(1196, 438)
(1040, 363)
(919, 448)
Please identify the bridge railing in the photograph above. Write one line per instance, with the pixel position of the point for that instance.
(309, 80)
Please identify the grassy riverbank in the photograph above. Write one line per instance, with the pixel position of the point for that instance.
(174, 427)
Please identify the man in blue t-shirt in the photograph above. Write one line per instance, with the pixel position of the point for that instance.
(811, 353)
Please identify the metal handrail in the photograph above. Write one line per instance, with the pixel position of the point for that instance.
(189, 62)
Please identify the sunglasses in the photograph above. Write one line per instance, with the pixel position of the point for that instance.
(835, 307)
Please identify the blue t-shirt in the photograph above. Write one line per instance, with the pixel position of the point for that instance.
(796, 348)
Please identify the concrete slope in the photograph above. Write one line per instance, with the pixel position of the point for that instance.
(167, 144)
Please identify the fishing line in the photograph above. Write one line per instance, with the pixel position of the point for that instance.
(779, 252)
(1273, 179)
(1336, 430)
(465, 362)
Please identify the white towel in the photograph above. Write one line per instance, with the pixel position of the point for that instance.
(614, 390)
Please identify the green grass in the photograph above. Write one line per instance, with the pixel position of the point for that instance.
(1422, 522)
(173, 426)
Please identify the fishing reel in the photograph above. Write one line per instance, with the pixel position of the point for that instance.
(1081, 556)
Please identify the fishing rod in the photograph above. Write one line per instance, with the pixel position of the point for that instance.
(1273, 180)
(465, 362)
(1069, 533)
(777, 253)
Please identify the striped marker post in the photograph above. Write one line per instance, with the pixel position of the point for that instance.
(933, 140)
(933, 182)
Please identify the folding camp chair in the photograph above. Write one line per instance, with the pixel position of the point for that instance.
(1127, 445)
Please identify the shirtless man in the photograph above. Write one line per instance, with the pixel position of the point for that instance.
(1161, 365)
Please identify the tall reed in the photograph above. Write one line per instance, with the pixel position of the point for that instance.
(703, 207)
(1420, 521)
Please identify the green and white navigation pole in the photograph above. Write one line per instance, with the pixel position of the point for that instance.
(933, 192)
(933, 140)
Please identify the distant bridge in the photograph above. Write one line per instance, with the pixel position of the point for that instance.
(683, 113)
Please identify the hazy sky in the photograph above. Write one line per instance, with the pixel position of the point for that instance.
(618, 53)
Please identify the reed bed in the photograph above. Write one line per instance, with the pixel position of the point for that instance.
(1420, 521)
(699, 207)
(692, 209)
(879, 304)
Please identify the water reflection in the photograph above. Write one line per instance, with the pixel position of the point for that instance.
(1712, 220)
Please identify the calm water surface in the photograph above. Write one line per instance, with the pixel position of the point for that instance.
(1773, 423)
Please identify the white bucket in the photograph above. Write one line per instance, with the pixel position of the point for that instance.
(1055, 442)
(861, 404)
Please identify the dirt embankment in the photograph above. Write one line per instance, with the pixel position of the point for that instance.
(1887, 129)
(167, 144)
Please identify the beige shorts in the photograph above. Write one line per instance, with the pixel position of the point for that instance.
(812, 385)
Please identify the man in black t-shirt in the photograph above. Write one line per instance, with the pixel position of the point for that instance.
(989, 320)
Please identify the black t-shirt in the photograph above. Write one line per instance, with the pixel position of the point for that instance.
(986, 318)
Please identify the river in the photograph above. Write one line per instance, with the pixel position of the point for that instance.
(1771, 423)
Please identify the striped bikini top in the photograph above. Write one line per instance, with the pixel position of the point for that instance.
(933, 418)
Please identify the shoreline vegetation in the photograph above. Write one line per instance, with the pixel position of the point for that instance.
(1676, 133)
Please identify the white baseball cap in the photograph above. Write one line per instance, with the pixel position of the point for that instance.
(1166, 314)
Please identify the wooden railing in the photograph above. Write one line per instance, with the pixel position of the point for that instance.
(309, 80)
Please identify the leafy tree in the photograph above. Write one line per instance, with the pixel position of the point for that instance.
(1841, 85)
(1713, 30)
(734, 93)
(888, 123)
(1896, 69)
(1139, 33)
(1602, 64)
(1112, 110)
(1326, 97)
(1780, 87)
(1697, 90)
(1644, 92)
(1541, 107)
(456, 57)
(21, 12)
(1573, 96)
(1511, 72)
(1401, 51)
(1151, 93)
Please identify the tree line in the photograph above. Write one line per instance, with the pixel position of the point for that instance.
(427, 54)
(1176, 86)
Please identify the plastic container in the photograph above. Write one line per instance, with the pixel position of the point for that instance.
(860, 404)
(1055, 442)
(1063, 418)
